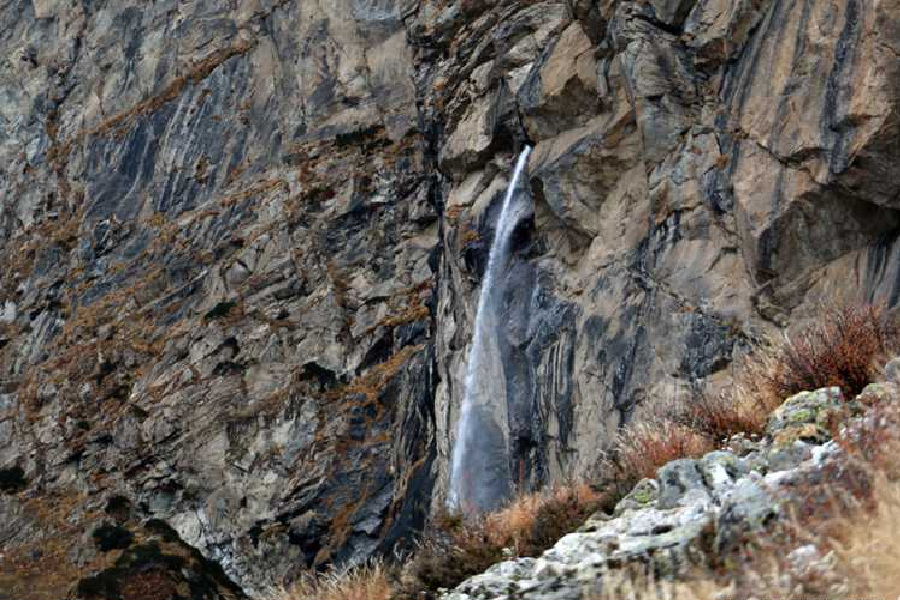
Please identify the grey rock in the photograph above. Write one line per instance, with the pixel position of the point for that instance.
(244, 242)
(645, 493)
(678, 477)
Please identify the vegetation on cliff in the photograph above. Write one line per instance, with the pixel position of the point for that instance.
(821, 542)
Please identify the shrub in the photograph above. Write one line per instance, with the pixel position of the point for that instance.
(457, 548)
(723, 415)
(844, 347)
(641, 448)
(842, 517)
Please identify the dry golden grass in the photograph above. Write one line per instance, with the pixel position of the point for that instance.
(457, 548)
(366, 582)
(871, 553)
(515, 525)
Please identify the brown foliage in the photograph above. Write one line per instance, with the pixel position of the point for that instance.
(642, 448)
(366, 582)
(843, 348)
(457, 548)
(846, 514)
(721, 416)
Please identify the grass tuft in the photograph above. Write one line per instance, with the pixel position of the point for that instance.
(642, 448)
(371, 581)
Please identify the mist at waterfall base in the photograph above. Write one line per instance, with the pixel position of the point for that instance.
(480, 478)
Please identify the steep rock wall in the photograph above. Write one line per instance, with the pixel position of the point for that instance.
(703, 172)
(242, 242)
(219, 242)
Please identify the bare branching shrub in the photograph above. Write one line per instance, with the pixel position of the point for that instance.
(723, 415)
(642, 448)
(844, 347)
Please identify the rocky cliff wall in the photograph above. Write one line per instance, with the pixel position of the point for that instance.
(703, 172)
(242, 242)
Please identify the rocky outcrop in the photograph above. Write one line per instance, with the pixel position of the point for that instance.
(695, 507)
(242, 242)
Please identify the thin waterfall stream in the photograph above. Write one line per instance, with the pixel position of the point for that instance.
(480, 479)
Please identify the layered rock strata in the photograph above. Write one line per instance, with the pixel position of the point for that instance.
(242, 242)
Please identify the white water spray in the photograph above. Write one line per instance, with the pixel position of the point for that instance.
(479, 472)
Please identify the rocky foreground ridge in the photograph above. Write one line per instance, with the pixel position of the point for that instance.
(241, 244)
(697, 508)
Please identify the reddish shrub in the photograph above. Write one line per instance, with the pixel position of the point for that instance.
(722, 416)
(843, 348)
(457, 548)
(642, 448)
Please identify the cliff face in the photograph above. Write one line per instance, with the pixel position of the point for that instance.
(242, 243)
(702, 172)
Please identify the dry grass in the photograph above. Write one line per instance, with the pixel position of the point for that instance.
(871, 552)
(843, 511)
(641, 448)
(457, 548)
(533, 521)
(844, 347)
(844, 516)
(857, 557)
(371, 581)
(723, 415)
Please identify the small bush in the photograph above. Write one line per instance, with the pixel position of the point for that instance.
(844, 347)
(721, 416)
(642, 448)
(843, 517)
(457, 548)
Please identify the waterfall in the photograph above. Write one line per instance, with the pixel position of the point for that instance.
(479, 472)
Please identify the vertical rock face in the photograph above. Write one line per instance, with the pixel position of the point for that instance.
(242, 243)
(219, 247)
(702, 172)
